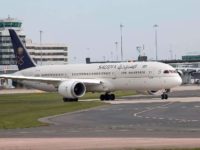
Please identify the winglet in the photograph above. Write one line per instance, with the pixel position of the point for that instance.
(23, 58)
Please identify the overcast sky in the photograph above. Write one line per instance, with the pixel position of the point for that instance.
(91, 27)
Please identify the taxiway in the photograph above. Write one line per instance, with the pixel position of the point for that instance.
(129, 122)
(136, 116)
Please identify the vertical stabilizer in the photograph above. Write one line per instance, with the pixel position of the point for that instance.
(23, 58)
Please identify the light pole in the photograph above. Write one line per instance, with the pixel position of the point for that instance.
(171, 52)
(111, 54)
(41, 47)
(156, 42)
(116, 48)
(121, 26)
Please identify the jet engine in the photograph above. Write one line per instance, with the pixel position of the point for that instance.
(151, 92)
(180, 73)
(159, 92)
(71, 89)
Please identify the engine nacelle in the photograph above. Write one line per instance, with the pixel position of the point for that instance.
(159, 92)
(180, 73)
(71, 89)
(151, 92)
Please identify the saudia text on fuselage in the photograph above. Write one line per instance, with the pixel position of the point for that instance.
(118, 66)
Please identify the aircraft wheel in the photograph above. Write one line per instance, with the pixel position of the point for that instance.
(102, 97)
(162, 96)
(70, 99)
(107, 97)
(112, 97)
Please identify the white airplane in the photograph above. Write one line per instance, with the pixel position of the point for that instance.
(73, 81)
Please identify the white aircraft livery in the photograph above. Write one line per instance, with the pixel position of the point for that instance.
(73, 81)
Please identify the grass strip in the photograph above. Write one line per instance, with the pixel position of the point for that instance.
(24, 110)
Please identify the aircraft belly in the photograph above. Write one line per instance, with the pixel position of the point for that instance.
(161, 83)
(127, 84)
(130, 84)
(155, 83)
(119, 84)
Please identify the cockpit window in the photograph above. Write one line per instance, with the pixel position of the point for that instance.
(166, 71)
(169, 71)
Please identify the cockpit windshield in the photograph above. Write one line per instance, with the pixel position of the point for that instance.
(169, 71)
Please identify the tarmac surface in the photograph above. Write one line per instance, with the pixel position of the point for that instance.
(133, 117)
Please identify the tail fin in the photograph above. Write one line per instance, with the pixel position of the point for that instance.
(22, 56)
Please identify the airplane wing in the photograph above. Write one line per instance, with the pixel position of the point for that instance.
(50, 80)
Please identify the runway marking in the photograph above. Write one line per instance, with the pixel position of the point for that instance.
(162, 107)
(124, 130)
(154, 100)
(152, 108)
(24, 132)
(194, 120)
(148, 109)
(74, 131)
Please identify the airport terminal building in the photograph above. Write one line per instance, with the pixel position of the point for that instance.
(42, 54)
(47, 54)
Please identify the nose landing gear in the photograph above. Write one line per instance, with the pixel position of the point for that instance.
(165, 94)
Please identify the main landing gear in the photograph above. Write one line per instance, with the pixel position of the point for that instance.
(70, 99)
(107, 97)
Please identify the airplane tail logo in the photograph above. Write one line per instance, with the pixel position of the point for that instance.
(20, 51)
(22, 56)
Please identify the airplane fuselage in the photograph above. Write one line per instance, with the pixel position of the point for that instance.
(114, 76)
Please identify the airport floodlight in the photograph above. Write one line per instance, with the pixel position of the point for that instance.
(41, 46)
(121, 26)
(116, 49)
(156, 40)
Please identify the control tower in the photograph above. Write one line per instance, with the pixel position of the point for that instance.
(42, 54)
(6, 51)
